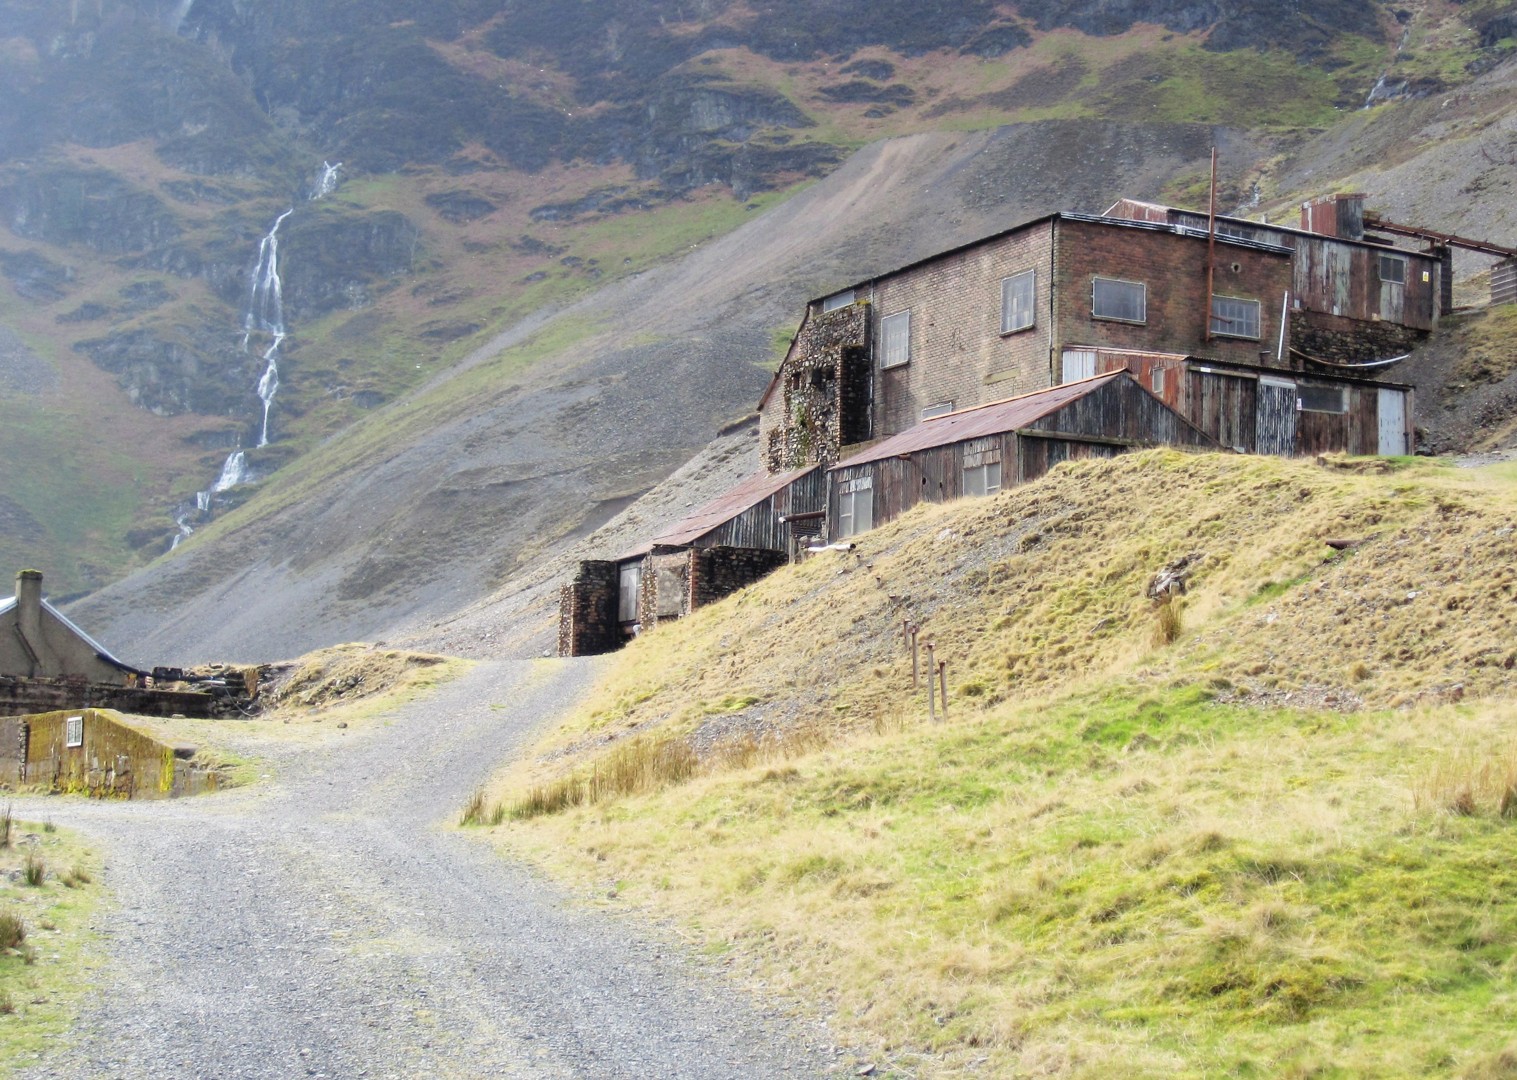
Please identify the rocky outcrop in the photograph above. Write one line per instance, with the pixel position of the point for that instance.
(180, 369)
(89, 208)
(337, 260)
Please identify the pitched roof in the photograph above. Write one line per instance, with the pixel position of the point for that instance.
(8, 603)
(982, 420)
(722, 509)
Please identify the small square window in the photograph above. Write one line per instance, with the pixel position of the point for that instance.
(1123, 301)
(1234, 317)
(895, 339)
(983, 479)
(1019, 297)
(1393, 269)
(73, 731)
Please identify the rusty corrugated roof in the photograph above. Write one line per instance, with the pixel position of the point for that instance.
(721, 510)
(983, 420)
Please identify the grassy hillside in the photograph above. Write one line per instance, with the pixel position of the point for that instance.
(1271, 841)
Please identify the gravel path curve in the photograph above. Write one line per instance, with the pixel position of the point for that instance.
(328, 924)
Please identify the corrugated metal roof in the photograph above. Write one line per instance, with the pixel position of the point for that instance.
(721, 510)
(1003, 416)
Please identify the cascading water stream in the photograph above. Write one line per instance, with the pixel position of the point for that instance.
(264, 315)
(179, 14)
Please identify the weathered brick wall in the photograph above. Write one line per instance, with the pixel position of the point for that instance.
(720, 571)
(958, 352)
(821, 400)
(1173, 267)
(587, 623)
(1350, 341)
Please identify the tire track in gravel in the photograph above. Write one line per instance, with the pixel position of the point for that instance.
(328, 924)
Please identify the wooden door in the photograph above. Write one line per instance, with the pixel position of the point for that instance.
(1275, 417)
(1392, 412)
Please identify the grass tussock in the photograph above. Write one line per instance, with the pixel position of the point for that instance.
(7, 822)
(1166, 621)
(12, 931)
(34, 870)
(1471, 782)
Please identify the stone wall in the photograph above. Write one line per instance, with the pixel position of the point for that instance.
(20, 696)
(720, 571)
(587, 623)
(13, 734)
(665, 586)
(821, 399)
(1350, 341)
(113, 759)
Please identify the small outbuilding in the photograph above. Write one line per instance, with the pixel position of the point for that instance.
(37, 641)
(729, 543)
(979, 451)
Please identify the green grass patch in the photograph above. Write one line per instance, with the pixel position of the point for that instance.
(48, 954)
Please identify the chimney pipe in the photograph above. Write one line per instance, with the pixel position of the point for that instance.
(29, 611)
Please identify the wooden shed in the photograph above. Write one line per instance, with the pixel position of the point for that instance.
(732, 541)
(979, 451)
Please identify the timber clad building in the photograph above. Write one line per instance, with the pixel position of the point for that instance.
(1070, 336)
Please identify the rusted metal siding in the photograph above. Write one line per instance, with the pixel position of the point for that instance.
(1339, 278)
(1121, 409)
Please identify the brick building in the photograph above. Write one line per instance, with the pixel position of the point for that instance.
(1042, 303)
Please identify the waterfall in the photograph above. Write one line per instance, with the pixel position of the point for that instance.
(234, 472)
(266, 314)
(326, 183)
(180, 12)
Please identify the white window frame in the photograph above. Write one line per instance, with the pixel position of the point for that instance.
(895, 339)
(1399, 262)
(1142, 319)
(1231, 318)
(634, 572)
(838, 300)
(1342, 392)
(73, 731)
(983, 479)
(855, 506)
(941, 408)
(1013, 317)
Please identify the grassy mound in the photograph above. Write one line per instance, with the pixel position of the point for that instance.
(1269, 842)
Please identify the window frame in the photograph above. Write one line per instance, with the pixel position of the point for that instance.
(839, 300)
(1301, 398)
(1007, 284)
(937, 408)
(1142, 287)
(1258, 317)
(73, 731)
(901, 317)
(849, 502)
(1398, 261)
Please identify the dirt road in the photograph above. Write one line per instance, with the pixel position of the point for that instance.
(327, 923)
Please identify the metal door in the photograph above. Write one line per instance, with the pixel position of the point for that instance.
(1275, 417)
(1078, 364)
(1392, 413)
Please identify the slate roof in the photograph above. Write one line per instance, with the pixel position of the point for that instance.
(8, 603)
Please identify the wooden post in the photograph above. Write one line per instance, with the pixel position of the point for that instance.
(932, 690)
(915, 660)
(943, 686)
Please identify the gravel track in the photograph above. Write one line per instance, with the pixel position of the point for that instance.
(328, 924)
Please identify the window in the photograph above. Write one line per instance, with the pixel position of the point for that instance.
(73, 731)
(855, 506)
(1232, 317)
(628, 594)
(1157, 380)
(1019, 295)
(837, 300)
(1124, 301)
(1393, 269)
(895, 339)
(1325, 399)
(982, 467)
(942, 408)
